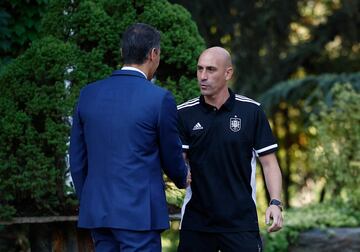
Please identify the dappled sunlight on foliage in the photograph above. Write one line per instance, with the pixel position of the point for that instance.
(289, 105)
(334, 149)
(334, 214)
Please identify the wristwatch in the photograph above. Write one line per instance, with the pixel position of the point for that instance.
(276, 203)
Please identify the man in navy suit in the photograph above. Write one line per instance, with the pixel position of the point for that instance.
(124, 134)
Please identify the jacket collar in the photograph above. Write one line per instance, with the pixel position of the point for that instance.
(128, 73)
(134, 69)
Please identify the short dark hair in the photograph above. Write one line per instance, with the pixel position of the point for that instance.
(137, 42)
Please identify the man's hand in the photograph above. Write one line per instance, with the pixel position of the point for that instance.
(188, 178)
(273, 212)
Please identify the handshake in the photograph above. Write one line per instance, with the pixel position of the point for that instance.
(188, 178)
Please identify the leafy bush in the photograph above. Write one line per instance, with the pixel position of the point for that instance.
(79, 44)
(34, 107)
(307, 91)
(290, 104)
(19, 26)
(334, 136)
(335, 214)
(96, 28)
(174, 196)
(335, 144)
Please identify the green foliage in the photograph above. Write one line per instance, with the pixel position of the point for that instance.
(183, 90)
(7, 212)
(86, 24)
(79, 44)
(290, 104)
(96, 28)
(34, 110)
(170, 238)
(307, 91)
(335, 152)
(335, 214)
(174, 196)
(19, 26)
(334, 148)
(272, 41)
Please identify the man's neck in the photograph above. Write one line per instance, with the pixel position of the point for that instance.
(219, 99)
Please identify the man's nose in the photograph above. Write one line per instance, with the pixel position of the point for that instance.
(203, 75)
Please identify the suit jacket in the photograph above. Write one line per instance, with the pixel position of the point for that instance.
(124, 133)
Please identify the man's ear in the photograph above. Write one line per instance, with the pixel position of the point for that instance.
(153, 53)
(228, 73)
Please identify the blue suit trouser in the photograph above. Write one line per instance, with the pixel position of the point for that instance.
(120, 240)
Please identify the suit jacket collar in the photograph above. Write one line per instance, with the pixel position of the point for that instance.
(128, 73)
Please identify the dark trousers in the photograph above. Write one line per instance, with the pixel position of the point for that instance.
(196, 241)
(120, 240)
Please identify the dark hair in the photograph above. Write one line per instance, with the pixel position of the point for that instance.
(137, 42)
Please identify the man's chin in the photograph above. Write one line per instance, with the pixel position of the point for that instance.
(205, 92)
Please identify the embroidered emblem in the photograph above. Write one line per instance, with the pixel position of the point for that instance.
(235, 124)
(197, 127)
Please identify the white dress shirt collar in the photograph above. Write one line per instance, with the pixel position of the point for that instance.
(134, 69)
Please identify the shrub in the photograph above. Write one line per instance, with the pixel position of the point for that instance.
(96, 28)
(79, 44)
(34, 108)
(335, 144)
(335, 214)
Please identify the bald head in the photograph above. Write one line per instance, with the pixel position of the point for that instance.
(221, 55)
(214, 70)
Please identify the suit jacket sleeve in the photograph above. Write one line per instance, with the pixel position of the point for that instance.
(78, 153)
(170, 144)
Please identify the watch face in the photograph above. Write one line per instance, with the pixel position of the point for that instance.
(275, 202)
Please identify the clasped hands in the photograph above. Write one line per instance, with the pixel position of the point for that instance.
(188, 178)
